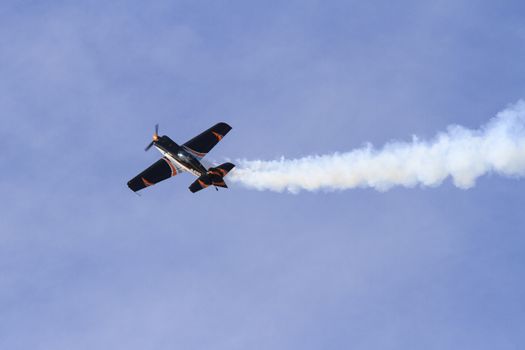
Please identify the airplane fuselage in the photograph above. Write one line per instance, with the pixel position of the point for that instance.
(180, 156)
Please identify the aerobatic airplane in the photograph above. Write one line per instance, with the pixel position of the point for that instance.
(187, 157)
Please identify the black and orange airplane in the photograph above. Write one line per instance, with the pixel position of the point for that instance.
(187, 157)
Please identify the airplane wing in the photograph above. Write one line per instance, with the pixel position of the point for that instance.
(160, 170)
(203, 143)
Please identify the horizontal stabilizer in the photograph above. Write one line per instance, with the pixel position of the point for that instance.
(201, 183)
(215, 177)
(221, 170)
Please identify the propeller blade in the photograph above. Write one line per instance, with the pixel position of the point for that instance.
(155, 137)
(149, 146)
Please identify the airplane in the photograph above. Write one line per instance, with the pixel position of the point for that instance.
(187, 157)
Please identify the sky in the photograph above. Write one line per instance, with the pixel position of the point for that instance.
(85, 263)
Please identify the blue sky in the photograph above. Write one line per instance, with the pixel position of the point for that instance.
(84, 263)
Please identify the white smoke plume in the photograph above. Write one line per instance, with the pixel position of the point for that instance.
(463, 154)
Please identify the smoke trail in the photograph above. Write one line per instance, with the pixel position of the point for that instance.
(462, 154)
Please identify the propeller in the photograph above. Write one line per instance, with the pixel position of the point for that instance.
(155, 137)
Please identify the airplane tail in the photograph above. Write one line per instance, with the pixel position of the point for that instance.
(214, 176)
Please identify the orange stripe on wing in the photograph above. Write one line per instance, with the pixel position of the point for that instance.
(173, 169)
(195, 153)
(217, 135)
(147, 183)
